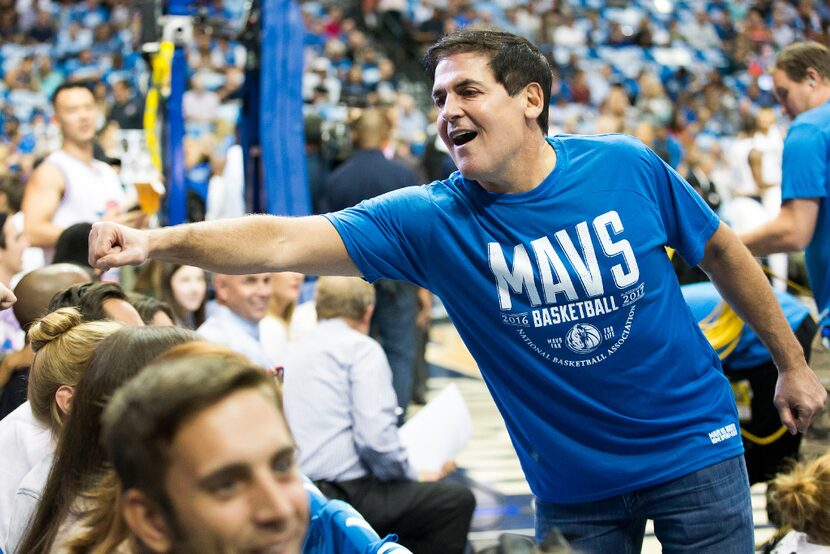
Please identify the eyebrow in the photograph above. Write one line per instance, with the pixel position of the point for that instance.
(437, 93)
(236, 470)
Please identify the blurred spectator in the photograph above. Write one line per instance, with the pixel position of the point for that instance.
(802, 497)
(200, 104)
(73, 245)
(318, 75)
(63, 344)
(12, 244)
(367, 174)
(699, 32)
(276, 328)
(70, 186)
(127, 106)
(184, 289)
(242, 302)
(352, 449)
(23, 75)
(568, 35)
(76, 507)
(153, 312)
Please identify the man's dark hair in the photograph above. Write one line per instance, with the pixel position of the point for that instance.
(147, 307)
(88, 298)
(73, 245)
(12, 187)
(796, 58)
(514, 60)
(144, 416)
(3, 217)
(68, 85)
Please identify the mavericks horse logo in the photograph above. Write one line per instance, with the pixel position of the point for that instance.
(583, 338)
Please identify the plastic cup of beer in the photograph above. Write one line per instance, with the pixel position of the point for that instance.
(149, 199)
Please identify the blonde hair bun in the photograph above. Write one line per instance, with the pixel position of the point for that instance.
(52, 326)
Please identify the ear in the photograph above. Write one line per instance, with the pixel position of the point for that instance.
(146, 520)
(812, 77)
(219, 286)
(367, 317)
(63, 396)
(535, 101)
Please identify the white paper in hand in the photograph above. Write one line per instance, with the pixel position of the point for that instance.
(438, 432)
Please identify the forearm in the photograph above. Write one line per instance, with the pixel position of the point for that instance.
(791, 230)
(772, 237)
(255, 244)
(242, 245)
(743, 285)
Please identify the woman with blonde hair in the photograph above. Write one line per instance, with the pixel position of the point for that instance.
(62, 346)
(802, 497)
(78, 510)
(279, 327)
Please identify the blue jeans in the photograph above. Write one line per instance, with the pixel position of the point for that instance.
(706, 512)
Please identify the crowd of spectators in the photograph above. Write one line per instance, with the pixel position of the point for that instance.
(685, 77)
(689, 79)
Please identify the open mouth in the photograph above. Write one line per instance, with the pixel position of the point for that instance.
(462, 137)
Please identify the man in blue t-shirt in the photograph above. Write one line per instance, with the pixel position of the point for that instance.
(549, 256)
(801, 77)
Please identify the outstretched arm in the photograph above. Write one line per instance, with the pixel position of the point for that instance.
(250, 244)
(736, 275)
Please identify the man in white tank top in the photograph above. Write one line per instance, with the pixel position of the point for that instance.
(70, 186)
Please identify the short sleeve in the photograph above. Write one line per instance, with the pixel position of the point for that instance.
(388, 236)
(689, 223)
(805, 170)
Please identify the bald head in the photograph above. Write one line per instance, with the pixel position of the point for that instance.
(36, 289)
(345, 297)
(371, 129)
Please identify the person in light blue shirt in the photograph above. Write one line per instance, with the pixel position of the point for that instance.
(242, 303)
(549, 256)
(340, 406)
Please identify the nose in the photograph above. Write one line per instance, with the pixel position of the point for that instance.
(451, 108)
(271, 502)
(265, 290)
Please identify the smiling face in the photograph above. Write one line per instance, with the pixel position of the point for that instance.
(246, 295)
(484, 128)
(233, 482)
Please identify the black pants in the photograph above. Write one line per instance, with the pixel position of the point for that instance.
(427, 517)
(763, 461)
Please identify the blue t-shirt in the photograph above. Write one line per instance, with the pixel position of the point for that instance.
(565, 297)
(750, 352)
(806, 174)
(335, 527)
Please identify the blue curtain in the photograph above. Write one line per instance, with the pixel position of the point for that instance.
(284, 184)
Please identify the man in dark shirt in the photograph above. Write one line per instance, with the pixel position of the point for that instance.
(366, 174)
(127, 109)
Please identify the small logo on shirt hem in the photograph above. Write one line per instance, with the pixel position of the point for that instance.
(724, 433)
